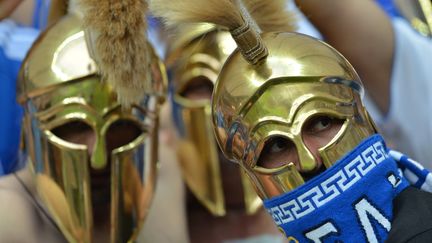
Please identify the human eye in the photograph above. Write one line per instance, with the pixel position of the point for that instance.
(277, 151)
(321, 124)
(278, 145)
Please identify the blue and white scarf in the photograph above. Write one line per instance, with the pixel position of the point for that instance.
(352, 200)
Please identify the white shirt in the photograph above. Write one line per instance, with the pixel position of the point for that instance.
(16, 40)
(408, 123)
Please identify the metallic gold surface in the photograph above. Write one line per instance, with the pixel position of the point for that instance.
(301, 78)
(197, 57)
(426, 7)
(200, 165)
(58, 84)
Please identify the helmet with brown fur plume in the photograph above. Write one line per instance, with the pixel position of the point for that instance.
(196, 54)
(94, 159)
(271, 88)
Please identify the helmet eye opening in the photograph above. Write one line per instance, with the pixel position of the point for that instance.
(322, 125)
(198, 88)
(319, 130)
(277, 152)
(122, 132)
(76, 132)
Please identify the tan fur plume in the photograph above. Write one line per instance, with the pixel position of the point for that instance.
(220, 12)
(231, 14)
(119, 45)
(271, 15)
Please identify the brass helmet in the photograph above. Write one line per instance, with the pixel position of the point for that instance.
(271, 85)
(59, 87)
(195, 57)
(300, 78)
(238, 17)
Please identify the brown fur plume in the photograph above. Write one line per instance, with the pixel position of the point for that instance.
(231, 14)
(220, 12)
(118, 30)
(271, 15)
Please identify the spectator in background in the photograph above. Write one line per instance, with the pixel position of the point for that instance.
(21, 22)
(393, 61)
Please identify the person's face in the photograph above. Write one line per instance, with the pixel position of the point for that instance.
(278, 151)
(316, 133)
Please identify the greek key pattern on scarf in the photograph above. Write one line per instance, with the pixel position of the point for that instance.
(330, 188)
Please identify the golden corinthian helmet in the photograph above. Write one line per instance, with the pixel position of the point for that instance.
(271, 86)
(61, 89)
(195, 56)
(301, 78)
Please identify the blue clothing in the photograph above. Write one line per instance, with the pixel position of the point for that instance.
(15, 41)
(389, 7)
(40, 14)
